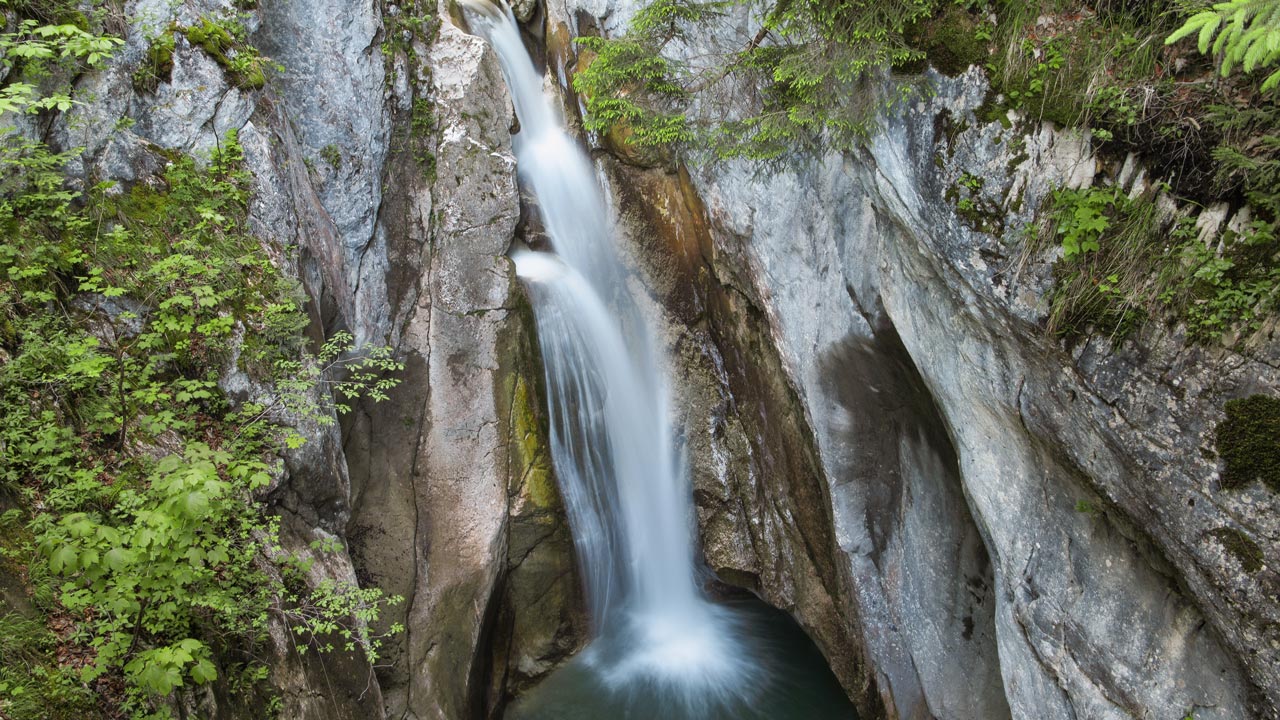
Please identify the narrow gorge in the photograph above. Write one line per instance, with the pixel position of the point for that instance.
(616, 358)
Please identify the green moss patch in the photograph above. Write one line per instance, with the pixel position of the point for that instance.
(1248, 441)
(532, 456)
(1240, 546)
(224, 41)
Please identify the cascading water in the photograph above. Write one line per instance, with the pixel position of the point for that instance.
(662, 648)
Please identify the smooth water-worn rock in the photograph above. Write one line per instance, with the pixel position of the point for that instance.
(458, 470)
(1082, 474)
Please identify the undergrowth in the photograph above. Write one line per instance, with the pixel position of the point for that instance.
(1118, 70)
(141, 534)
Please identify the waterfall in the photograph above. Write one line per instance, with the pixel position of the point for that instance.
(626, 491)
(661, 647)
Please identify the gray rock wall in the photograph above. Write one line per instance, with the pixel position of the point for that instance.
(1123, 610)
(1027, 530)
(883, 441)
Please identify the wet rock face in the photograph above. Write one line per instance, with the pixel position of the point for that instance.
(897, 481)
(771, 520)
(455, 505)
(540, 620)
(759, 492)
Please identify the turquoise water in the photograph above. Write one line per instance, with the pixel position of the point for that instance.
(792, 682)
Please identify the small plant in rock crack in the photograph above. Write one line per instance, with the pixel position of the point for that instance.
(332, 155)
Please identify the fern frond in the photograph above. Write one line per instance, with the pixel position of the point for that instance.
(1242, 33)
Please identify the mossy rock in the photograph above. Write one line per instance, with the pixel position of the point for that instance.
(157, 66)
(618, 141)
(1240, 546)
(244, 66)
(532, 456)
(212, 37)
(1248, 441)
(75, 17)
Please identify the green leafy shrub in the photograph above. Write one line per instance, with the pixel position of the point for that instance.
(1234, 288)
(1081, 217)
(818, 76)
(27, 51)
(1123, 264)
(1103, 282)
(148, 538)
(1207, 142)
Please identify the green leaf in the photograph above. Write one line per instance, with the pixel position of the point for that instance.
(64, 558)
(204, 672)
(89, 559)
(195, 505)
(118, 558)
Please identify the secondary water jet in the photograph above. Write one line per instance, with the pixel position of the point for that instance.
(662, 648)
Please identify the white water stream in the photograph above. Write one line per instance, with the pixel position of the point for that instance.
(662, 649)
(626, 491)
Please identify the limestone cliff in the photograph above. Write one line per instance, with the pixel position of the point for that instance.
(1020, 528)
